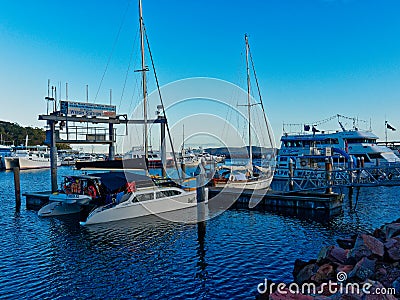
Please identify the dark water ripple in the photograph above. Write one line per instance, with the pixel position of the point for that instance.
(155, 259)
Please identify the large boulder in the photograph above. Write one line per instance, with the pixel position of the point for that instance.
(364, 269)
(375, 292)
(332, 254)
(324, 273)
(393, 249)
(387, 273)
(365, 246)
(344, 268)
(391, 230)
(396, 285)
(300, 264)
(305, 274)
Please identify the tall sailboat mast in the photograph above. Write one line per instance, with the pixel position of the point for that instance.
(144, 69)
(248, 98)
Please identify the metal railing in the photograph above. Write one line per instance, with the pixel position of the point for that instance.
(352, 177)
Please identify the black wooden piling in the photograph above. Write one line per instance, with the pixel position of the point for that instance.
(17, 186)
(53, 156)
(351, 197)
(200, 183)
(111, 148)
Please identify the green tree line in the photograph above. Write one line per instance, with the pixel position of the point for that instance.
(14, 134)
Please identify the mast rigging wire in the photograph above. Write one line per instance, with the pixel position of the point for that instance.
(162, 102)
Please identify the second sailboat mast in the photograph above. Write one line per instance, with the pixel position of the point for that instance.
(146, 153)
(248, 98)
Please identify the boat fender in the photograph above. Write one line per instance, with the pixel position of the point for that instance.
(67, 189)
(91, 190)
(131, 187)
(232, 177)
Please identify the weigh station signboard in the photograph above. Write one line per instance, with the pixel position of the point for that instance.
(88, 109)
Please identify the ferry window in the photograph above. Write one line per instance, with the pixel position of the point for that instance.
(145, 197)
(359, 141)
(283, 159)
(352, 141)
(167, 193)
(374, 155)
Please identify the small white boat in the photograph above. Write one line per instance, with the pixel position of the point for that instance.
(146, 201)
(238, 179)
(76, 191)
(63, 204)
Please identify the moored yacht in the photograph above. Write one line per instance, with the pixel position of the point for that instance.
(5, 151)
(248, 176)
(154, 157)
(31, 157)
(149, 199)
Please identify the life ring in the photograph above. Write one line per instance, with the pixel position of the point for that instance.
(91, 191)
(303, 163)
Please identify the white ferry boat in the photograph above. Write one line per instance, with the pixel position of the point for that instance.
(309, 150)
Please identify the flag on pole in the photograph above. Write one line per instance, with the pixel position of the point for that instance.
(388, 126)
(314, 129)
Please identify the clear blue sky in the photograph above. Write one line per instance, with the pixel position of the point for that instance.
(314, 58)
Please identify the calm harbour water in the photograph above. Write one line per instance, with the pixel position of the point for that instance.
(151, 258)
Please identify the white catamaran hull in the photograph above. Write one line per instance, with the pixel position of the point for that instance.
(58, 209)
(129, 210)
(256, 184)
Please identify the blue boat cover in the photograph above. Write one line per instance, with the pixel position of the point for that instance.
(114, 180)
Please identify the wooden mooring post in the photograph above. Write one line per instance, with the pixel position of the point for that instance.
(17, 186)
(183, 167)
(328, 176)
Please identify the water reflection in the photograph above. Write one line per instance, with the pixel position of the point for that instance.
(153, 258)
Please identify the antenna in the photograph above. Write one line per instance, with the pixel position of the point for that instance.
(66, 91)
(48, 96)
(55, 99)
(87, 93)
